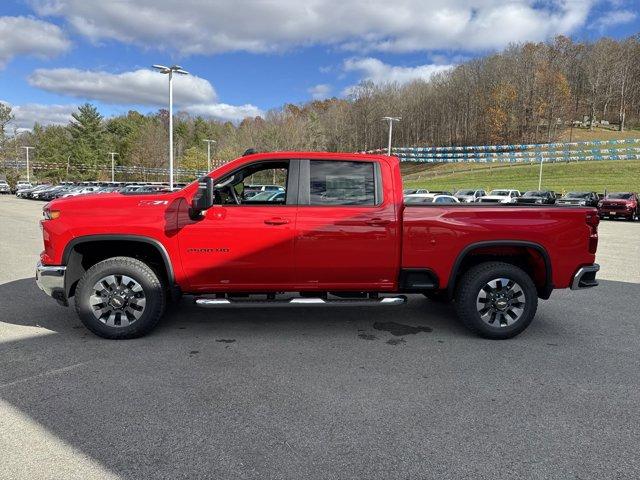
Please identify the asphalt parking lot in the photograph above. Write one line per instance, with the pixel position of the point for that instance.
(311, 393)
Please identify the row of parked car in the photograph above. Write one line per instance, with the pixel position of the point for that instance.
(610, 205)
(49, 192)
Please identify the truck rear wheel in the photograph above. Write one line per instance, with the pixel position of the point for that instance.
(496, 300)
(120, 298)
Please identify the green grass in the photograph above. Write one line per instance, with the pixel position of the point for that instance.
(618, 175)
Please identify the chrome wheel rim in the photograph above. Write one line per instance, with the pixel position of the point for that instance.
(501, 302)
(117, 300)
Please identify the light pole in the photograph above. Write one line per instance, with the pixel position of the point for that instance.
(209, 142)
(540, 176)
(27, 149)
(390, 120)
(113, 173)
(170, 71)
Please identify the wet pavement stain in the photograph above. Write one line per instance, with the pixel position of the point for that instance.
(367, 336)
(226, 340)
(396, 341)
(193, 352)
(399, 329)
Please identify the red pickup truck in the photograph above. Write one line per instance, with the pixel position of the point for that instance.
(336, 234)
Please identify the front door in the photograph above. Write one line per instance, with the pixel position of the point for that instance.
(245, 241)
(347, 232)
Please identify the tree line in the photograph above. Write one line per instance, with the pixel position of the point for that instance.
(528, 93)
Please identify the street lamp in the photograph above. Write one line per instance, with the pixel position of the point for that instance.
(170, 71)
(391, 120)
(209, 142)
(113, 173)
(27, 149)
(540, 176)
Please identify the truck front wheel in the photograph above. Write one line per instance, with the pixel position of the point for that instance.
(119, 298)
(496, 300)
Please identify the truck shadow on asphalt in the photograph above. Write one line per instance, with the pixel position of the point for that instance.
(258, 394)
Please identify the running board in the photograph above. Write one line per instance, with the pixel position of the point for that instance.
(301, 302)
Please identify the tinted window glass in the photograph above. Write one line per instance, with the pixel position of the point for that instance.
(342, 183)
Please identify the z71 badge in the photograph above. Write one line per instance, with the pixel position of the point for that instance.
(152, 203)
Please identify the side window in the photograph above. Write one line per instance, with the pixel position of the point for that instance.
(342, 183)
(443, 200)
(261, 183)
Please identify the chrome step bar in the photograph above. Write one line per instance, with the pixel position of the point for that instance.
(301, 302)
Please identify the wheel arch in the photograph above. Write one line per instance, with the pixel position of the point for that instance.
(77, 250)
(477, 252)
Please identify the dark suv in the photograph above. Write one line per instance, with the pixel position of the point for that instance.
(579, 199)
(539, 197)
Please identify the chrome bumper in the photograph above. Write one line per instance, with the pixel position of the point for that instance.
(50, 279)
(585, 277)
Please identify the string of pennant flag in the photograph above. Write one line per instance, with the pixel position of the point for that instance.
(567, 151)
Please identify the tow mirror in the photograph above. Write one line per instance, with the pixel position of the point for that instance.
(203, 199)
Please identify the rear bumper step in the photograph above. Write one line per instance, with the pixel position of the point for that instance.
(585, 277)
(301, 302)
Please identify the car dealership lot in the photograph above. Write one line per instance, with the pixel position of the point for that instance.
(313, 393)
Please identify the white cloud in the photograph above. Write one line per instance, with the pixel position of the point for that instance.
(196, 26)
(225, 112)
(613, 18)
(27, 36)
(320, 91)
(378, 72)
(28, 114)
(139, 87)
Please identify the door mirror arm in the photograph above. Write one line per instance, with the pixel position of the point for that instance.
(203, 199)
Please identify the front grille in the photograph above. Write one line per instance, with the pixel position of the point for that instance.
(614, 207)
(489, 200)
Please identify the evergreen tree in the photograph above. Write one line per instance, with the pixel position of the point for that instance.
(88, 146)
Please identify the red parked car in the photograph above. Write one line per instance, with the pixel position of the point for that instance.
(340, 236)
(619, 205)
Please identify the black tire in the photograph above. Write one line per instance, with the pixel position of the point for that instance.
(147, 279)
(437, 296)
(476, 279)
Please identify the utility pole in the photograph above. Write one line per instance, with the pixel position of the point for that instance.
(390, 120)
(113, 173)
(209, 142)
(170, 71)
(27, 149)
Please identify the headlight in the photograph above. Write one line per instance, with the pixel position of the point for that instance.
(582, 202)
(539, 200)
(599, 204)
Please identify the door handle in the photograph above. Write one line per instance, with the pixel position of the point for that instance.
(378, 222)
(276, 221)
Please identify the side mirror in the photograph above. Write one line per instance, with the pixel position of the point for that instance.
(203, 199)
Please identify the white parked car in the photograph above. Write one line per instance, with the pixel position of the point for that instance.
(469, 195)
(500, 196)
(426, 198)
(4, 187)
(80, 191)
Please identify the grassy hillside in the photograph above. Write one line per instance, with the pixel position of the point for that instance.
(600, 175)
(623, 175)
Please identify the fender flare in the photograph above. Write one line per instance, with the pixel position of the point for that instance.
(544, 293)
(121, 237)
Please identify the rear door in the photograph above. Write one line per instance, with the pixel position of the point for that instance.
(346, 227)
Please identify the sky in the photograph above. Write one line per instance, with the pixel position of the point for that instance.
(246, 57)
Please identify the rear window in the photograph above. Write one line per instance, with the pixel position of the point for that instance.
(341, 183)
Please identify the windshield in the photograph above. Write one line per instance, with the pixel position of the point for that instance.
(501, 193)
(465, 192)
(577, 195)
(533, 194)
(620, 196)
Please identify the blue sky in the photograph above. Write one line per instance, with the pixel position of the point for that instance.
(249, 56)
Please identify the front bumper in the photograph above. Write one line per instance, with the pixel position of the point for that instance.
(585, 277)
(50, 279)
